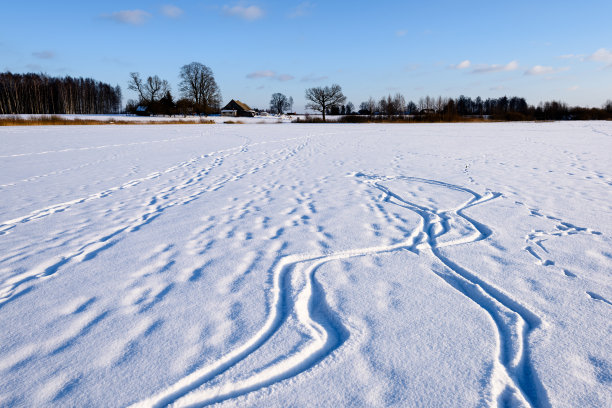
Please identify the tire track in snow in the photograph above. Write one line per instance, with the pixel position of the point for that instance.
(513, 378)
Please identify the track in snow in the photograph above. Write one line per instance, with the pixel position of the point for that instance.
(179, 191)
(513, 380)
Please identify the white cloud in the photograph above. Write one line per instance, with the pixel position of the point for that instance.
(573, 88)
(303, 9)
(44, 54)
(401, 33)
(462, 65)
(601, 55)
(483, 69)
(171, 11)
(541, 70)
(134, 17)
(245, 12)
(270, 75)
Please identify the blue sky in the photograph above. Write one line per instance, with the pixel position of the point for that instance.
(541, 50)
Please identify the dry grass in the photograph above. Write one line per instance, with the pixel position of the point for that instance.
(233, 122)
(46, 120)
(394, 119)
(414, 119)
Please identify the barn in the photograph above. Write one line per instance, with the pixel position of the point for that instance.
(237, 108)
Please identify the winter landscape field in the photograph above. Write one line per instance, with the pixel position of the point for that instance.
(281, 265)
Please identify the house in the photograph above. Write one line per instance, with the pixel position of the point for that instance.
(143, 111)
(237, 108)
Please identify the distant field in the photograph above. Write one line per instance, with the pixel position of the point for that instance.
(297, 265)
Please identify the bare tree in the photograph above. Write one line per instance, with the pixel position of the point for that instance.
(156, 88)
(385, 105)
(368, 107)
(135, 84)
(399, 104)
(198, 85)
(429, 102)
(350, 108)
(149, 91)
(279, 103)
(323, 98)
(290, 104)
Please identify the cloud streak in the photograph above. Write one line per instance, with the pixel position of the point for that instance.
(462, 65)
(541, 70)
(44, 55)
(261, 74)
(284, 77)
(249, 13)
(171, 11)
(132, 17)
(313, 78)
(485, 69)
(270, 75)
(302, 10)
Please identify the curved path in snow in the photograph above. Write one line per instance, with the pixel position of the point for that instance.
(513, 380)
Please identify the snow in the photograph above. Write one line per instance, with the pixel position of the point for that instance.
(306, 265)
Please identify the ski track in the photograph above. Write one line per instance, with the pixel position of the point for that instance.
(513, 379)
(81, 149)
(8, 225)
(55, 173)
(153, 206)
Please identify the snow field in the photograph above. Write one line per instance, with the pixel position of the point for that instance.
(327, 265)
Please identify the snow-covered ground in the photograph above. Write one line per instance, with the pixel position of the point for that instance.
(306, 265)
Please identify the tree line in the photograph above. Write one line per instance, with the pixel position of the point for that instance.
(502, 108)
(199, 92)
(330, 101)
(42, 94)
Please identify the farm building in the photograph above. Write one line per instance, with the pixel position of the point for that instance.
(237, 108)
